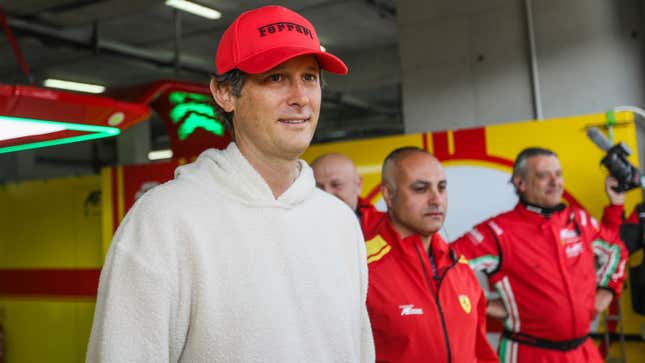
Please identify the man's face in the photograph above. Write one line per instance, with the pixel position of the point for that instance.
(337, 175)
(277, 112)
(419, 200)
(543, 184)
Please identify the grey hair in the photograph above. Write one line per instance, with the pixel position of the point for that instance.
(519, 166)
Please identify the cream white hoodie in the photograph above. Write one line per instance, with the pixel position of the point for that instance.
(210, 267)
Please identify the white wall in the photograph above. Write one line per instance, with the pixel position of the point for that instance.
(466, 63)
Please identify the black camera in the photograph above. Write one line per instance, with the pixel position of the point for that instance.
(621, 169)
(616, 162)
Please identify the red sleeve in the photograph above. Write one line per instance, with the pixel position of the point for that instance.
(485, 353)
(609, 249)
(481, 246)
(612, 216)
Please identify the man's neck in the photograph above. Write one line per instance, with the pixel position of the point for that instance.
(404, 232)
(278, 173)
(426, 242)
(540, 209)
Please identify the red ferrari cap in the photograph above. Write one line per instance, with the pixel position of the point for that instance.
(261, 39)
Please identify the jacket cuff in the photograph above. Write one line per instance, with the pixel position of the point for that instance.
(613, 214)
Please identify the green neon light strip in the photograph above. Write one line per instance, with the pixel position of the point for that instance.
(179, 111)
(98, 132)
(192, 109)
(180, 97)
(194, 121)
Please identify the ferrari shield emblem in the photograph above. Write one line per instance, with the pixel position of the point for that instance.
(465, 303)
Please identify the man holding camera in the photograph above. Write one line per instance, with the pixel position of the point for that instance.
(554, 267)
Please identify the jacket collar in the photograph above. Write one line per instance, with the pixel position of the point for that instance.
(536, 214)
(363, 206)
(229, 172)
(545, 211)
(407, 246)
(363, 203)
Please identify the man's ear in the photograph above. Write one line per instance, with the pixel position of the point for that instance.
(388, 194)
(223, 95)
(519, 183)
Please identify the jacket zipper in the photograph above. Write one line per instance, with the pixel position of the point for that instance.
(436, 297)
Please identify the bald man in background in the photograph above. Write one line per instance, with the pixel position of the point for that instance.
(336, 174)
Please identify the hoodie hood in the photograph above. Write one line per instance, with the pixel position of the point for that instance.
(230, 174)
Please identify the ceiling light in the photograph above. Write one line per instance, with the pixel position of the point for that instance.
(160, 154)
(31, 139)
(193, 8)
(12, 129)
(73, 86)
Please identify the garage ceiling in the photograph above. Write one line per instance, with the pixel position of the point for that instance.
(124, 42)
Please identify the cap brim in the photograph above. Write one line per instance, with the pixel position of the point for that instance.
(264, 61)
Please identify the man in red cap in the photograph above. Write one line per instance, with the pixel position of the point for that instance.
(234, 260)
(424, 301)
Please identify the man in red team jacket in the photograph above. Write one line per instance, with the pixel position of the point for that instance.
(554, 267)
(424, 301)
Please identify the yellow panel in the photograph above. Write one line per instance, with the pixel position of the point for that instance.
(635, 351)
(106, 204)
(51, 224)
(119, 192)
(46, 331)
(368, 155)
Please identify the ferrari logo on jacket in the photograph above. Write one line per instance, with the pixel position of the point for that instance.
(465, 303)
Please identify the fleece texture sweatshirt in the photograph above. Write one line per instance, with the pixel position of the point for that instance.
(211, 267)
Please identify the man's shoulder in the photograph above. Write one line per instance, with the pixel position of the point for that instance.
(574, 208)
(172, 197)
(165, 193)
(463, 271)
(377, 247)
(491, 230)
(582, 216)
(497, 223)
(504, 216)
(330, 204)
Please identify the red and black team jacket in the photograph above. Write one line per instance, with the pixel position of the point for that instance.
(424, 306)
